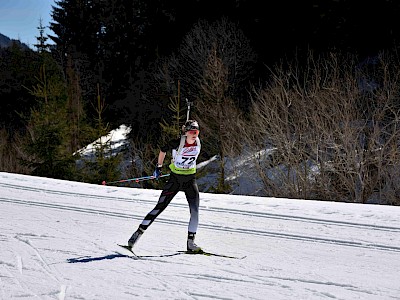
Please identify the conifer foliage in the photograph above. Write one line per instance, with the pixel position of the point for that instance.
(47, 127)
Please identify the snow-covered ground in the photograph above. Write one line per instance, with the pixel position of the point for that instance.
(58, 241)
(116, 138)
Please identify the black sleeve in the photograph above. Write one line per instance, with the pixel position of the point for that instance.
(172, 144)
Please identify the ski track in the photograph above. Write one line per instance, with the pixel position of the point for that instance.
(43, 265)
(174, 291)
(26, 292)
(168, 286)
(252, 231)
(214, 209)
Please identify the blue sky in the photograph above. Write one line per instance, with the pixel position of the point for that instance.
(19, 19)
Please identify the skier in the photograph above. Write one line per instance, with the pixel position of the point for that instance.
(183, 178)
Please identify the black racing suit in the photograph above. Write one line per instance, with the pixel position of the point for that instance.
(176, 183)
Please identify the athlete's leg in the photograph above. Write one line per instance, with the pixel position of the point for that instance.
(169, 192)
(192, 196)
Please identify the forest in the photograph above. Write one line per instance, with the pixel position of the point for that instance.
(318, 83)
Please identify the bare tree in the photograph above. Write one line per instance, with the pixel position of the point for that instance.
(219, 114)
(334, 139)
(232, 47)
(213, 65)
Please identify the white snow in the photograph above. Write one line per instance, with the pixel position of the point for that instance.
(58, 241)
(116, 137)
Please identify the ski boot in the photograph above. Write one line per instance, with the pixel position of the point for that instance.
(191, 245)
(135, 237)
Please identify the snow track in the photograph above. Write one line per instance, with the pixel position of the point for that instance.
(328, 226)
(58, 241)
(134, 199)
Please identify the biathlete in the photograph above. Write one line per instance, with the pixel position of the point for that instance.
(185, 152)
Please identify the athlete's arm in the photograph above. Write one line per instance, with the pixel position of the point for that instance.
(161, 157)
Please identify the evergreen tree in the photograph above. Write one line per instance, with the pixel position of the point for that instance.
(103, 164)
(42, 44)
(47, 127)
(108, 43)
(18, 70)
(76, 24)
(173, 129)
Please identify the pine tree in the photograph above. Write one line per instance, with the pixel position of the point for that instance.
(18, 68)
(173, 129)
(47, 129)
(42, 44)
(103, 164)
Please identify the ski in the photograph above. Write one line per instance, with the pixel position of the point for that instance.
(205, 253)
(129, 249)
(211, 254)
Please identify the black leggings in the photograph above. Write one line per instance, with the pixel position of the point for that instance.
(176, 183)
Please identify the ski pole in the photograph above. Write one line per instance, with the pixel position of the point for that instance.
(138, 179)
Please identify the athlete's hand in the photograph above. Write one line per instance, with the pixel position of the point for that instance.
(157, 172)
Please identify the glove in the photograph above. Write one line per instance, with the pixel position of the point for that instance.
(157, 172)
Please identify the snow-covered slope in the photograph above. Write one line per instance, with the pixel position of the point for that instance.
(58, 241)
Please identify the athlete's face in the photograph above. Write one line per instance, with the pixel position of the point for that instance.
(191, 135)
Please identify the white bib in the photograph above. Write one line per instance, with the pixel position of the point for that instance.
(186, 159)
